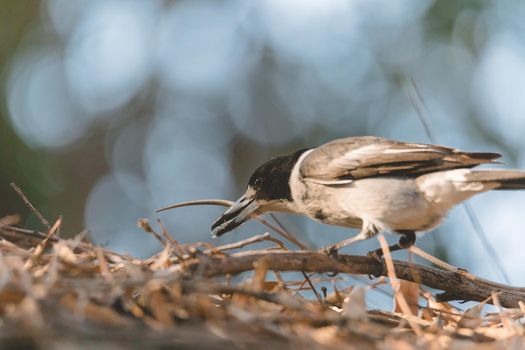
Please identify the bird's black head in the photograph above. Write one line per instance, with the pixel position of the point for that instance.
(270, 181)
(268, 188)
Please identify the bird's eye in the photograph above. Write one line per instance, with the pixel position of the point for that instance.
(257, 182)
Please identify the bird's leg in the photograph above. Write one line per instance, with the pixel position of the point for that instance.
(407, 239)
(332, 249)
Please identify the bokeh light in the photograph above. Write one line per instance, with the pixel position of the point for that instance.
(108, 56)
(150, 103)
(39, 106)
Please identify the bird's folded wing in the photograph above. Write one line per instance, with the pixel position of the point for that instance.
(344, 160)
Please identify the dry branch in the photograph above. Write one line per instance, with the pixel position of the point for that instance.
(456, 285)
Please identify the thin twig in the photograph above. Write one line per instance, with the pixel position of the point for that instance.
(283, 233)
(313, 288)
(433, 259)
(281, 226)
(396, 286)
(166, 235)
(243, 243)
(146, 227)
(42, 246)
(51, 232)
(176, 246)
(416, 99)
(482, 236)
(307, 278)
(300, 287)
(31, 206)
(227, 203)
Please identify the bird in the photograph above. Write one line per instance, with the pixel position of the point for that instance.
(369, 183)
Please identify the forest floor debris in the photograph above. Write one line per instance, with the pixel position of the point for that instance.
(56, 292)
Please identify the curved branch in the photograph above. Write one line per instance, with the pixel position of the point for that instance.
(456, 285)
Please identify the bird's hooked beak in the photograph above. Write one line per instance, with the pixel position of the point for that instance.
(236, 215)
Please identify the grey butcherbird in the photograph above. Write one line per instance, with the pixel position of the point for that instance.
(369, 183)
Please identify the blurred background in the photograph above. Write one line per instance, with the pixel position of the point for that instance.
(111, 109)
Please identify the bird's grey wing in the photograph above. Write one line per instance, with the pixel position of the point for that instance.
(344, 160)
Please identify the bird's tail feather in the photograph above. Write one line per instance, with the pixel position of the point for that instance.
(482, 157)
(451, 187)
(506, 179)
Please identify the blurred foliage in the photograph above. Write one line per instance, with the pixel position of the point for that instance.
(16, 19)
(113, 108)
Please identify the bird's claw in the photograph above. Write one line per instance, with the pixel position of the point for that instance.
(376, 255)
(333, 253)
